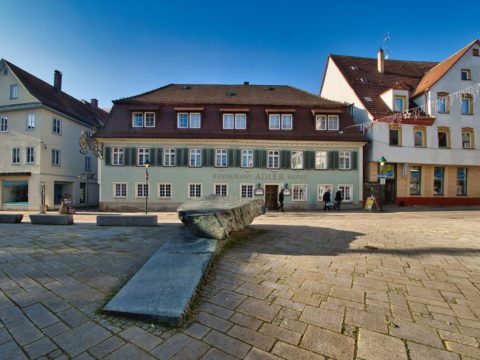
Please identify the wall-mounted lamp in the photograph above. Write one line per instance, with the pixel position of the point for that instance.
(259, 190)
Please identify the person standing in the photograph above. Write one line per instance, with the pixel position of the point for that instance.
(338, 199)
(327, 198)
(280, 200)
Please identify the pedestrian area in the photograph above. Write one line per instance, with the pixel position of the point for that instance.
(338, 285)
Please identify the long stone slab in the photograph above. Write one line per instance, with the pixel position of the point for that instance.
(165, 285)
(11, 218)
(217, 218)
(127, 220)
(51, 219)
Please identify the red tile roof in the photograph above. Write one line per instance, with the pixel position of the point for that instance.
(60, 101)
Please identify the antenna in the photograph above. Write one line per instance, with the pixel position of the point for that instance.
(386, 40)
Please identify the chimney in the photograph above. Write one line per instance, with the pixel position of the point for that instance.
(246, 83)
(57, 80)
(94, 103)
(380, 62)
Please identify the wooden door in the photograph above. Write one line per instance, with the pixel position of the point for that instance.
(271, 197)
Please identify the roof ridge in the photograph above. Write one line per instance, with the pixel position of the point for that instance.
(375, 59)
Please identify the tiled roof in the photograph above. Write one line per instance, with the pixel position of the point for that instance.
(60, 101)
(230, 95)
(441, 69)
(364, 78)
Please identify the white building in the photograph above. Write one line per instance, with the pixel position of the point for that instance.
(422, 117)
(40, 127)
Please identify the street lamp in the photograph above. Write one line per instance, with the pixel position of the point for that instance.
(146, 189)
(382, 162)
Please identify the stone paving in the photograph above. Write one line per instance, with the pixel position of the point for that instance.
(353, 285)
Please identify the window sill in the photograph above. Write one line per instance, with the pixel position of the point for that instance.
(468, 114)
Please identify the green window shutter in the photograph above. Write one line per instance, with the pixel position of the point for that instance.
(230, 159)
(308, 160)
(211, 157)
(153, 157)
(263, 159)
(108, 155)
(285, 159)
(238, 158)
(133, 156)
(335, 163)
(331, 159)
(205, 157)
(159, 158)
(256, 158)
(354, 160)
(126, 156)
(184, 157)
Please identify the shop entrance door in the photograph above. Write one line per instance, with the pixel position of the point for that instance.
(390, 191)
(271, 197)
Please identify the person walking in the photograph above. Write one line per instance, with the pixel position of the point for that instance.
(327, 198)
(338, 199)
(280, 200)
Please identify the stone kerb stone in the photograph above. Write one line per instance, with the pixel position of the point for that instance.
(11, 218)
(51, 219)
(127, 220)
(217, 218)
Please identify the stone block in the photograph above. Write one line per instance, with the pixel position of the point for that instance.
(127, 220)
(11, 218)
(51, 219)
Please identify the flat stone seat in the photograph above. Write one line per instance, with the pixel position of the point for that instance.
(217, 218)
(127, 220)
(163, 288)
(11, 218)
(51, 219)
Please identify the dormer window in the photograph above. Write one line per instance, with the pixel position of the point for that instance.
(466, 74)
(280, 122)
(143, 119)
(235, 121)
(399, 104)
(188, 120)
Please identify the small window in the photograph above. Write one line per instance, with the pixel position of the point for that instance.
(56, 126)
(13, 91)
(347, 192)
(475, 52)
(3, 124)
(299, 192)
(273, 159)
(195, 156)
(30, 158)
(274, 122)
(195, 121)
(137, 119)
(55, 157)
(399, 104)
(164, 191)
(247, 158)
(322, 189)
(31, 121)
(246, 191)
(221, 158)
(119, 190)
(228, 121)
(287, 122)
(466, 74)
(345, 160)
(461, 181)
(16, 156)
(182, 120)
(169, 157)
(467, 138)
(118, 156)
(415, 180)
(443, 103)
(467, 104)
(321, 160)
(296, 160)
(443, 138)
(149, 119)
(321, 122)
(419, 137)
(221, 190)
(194, 191)
(240, 121)
(394, 136)
(88, 163)
(333, 122)
(143, 154)
(142, 190)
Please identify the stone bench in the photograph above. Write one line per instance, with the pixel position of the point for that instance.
(51, 219)
(127, 220)
(11, 218)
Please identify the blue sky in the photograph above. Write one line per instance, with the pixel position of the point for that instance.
(111, 49)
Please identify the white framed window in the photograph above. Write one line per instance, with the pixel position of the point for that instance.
(246, 191)
(274, 121)
(169, 157)
(240, 121)
(31, 121)
(182, 120)
(137, 119)
(164, 191)
(228, 121)
(56, 126)
(287, 122)
(299, 192)
(247, 158)
(221, 190)
(189, 120)
(221, 159)
(466, 74)
(321, 160)
(119, 190)
(141, 190)
(297, 159)
(30, 158)
(149, 119)
(195, 157)
(194, 191)
(3, 124)
(195, 121)
(55, 157)
(234, 121)
(333, 122)
(13, 91)
(347, 192)
(399, 103)
(345, 160)
(16, 156)
(143, 154)
(273, 159)
(321, 122)
(88, 163)
(322, 189)
(118, 156)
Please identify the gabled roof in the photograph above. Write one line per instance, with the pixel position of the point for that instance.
(281, 95)
(58, 100)
(437, 72)
(363, 77)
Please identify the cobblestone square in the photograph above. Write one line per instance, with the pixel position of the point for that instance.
(340, 285)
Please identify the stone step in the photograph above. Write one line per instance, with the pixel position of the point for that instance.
(51, 219)
(127, 220)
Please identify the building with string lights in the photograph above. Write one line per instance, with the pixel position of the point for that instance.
(421, 118)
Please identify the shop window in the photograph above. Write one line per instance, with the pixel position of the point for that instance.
(438, 180)
(415, 180)
(461, 181)
(322, 189)
(347, 192)
(299, 192)
(15, 191)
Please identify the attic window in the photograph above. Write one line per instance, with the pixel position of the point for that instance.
(368, 98)
(476, 52)
(230, 94)
(186, 87)
(269, 89)
(5, 72)
(354, 68)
